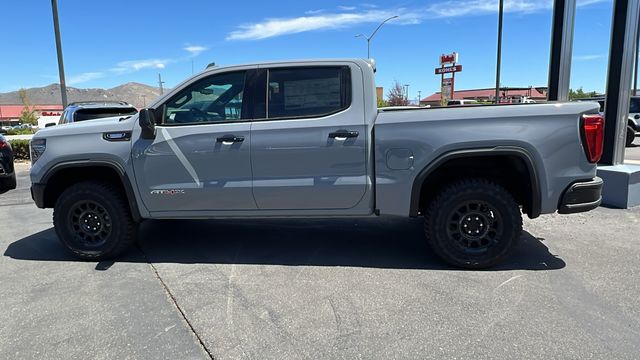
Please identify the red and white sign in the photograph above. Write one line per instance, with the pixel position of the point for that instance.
(449, 58)
(446, 88)
(448, 69)
(51, 113)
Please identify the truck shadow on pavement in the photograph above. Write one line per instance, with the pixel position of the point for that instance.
(374, 243)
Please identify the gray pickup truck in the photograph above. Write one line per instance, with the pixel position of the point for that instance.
(306, 139)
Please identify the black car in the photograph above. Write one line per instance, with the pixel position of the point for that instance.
(7, 173)
(89, 110)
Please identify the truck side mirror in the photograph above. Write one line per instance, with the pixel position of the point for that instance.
(637, 117)
(147, 121)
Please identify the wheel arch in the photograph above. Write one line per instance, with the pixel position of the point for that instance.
(528, 194)
(64, 174)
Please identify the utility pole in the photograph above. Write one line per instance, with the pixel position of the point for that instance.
(368, 38)
(499, 55)
(144, 101)
(56, 29)
(160, 82)
(635, 72)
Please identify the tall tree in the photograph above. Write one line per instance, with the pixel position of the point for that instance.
(396, 96)
(28, 115)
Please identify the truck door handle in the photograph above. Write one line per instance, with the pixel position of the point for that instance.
(343, 134)
(230, 139)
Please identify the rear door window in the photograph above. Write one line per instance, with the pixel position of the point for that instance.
(308, 91)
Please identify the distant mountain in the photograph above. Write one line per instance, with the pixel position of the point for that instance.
(136, 94)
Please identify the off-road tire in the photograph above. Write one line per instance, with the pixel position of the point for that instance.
(631, 135)
(94, 208)
(495, 212)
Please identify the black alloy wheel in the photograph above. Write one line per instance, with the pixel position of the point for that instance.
(93, 220)
(473, 223)
(89, 223)
(475, 226)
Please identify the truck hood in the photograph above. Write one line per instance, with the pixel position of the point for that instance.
(88, 127)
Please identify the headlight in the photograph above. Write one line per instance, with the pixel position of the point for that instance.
(37, 146)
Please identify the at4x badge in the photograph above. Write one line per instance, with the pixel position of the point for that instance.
(170, 192)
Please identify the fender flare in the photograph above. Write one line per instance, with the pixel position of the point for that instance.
(124, 179)
(521, 153)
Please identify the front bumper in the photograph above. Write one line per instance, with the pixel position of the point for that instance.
(37, 194)
(581, 196)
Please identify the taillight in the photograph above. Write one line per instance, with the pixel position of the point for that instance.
(593, 136)
(2, 144)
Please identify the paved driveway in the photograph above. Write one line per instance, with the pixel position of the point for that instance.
(318, 289)
(632, 153)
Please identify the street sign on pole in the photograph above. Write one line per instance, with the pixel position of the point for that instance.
(446, 87)
(448, 69)
(447, 83)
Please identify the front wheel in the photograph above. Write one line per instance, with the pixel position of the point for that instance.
(473, 224)
(93, 221)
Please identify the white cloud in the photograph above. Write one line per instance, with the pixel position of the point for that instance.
(349, 16)
(84, 77)
(124, 67)
(588, 57)
(477, 7)
(195, 50)
(278, 27)
(589, 2)
(455, 8)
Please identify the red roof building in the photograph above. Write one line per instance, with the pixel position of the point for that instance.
(13, 112)
(507, 95)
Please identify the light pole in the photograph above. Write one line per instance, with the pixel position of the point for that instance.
(419, 97)
(373, 34)
(499, 55)
(56, 29)
(406, 93)
(635, 71)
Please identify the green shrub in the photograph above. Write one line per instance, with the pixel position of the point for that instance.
(20, 149)
(19, 132)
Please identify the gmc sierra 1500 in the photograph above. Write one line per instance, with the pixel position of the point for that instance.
(305, 138)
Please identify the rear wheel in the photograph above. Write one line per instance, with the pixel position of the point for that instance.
(473, 224)
(631, 135)
(93, 221)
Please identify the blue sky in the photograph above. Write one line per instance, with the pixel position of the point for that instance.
(107, 43)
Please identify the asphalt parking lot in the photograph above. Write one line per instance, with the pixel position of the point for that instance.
(343, 289)
(632, 153)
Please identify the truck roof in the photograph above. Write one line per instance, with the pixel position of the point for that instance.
(294, 62)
